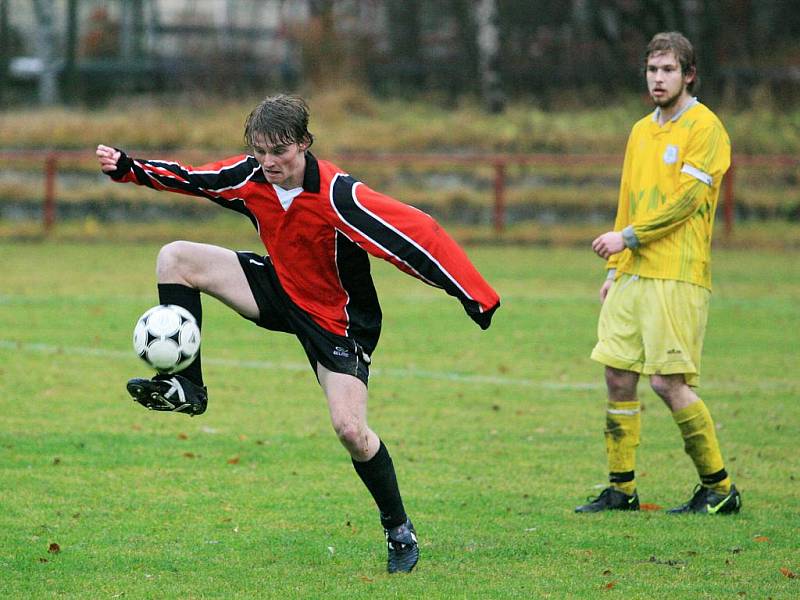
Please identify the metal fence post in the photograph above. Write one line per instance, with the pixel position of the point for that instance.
(49, 206)
(729, 201)
(499, 196)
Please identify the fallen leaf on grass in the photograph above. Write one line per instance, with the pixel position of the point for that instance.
(366, 579)
(787, 573)
(183, 436)
(188, 455)
(761, 538)
(233, 460)
(43, 560)
(610, 585)
(54, 548)
(650, 506)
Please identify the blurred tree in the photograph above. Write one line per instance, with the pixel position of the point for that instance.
(5, 49)
(46, 51)
(405, 46)
(488, 57)
(322, 54)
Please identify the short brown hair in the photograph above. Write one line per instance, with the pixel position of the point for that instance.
(281, 119)
(675, 42)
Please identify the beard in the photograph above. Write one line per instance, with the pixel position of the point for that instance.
(668, 101)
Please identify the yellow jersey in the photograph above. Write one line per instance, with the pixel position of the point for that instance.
(668, 195)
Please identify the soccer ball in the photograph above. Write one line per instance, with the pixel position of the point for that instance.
(167, 338)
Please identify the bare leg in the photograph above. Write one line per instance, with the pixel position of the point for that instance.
(210, 269)
(621, 385)
(673, 390)
(347, 403)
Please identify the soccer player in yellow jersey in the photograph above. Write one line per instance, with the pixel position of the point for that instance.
(655, 297)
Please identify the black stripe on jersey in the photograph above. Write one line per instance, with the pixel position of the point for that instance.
(146, 178)
(393, 242)
(228, 177)
(197, 181)
(363, 309)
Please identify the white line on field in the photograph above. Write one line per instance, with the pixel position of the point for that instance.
(266, 365)
(32, 347)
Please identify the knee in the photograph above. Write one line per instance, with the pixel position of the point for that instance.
(666, 387)
(172, 262)
(621, 385)
(351, 434)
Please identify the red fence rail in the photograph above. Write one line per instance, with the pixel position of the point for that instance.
(51, 160)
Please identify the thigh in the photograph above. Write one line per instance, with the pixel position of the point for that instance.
(674, 328)
(217, 272)
(619, 338)
(346, 396)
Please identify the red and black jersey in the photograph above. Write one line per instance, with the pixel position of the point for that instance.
(319, 245)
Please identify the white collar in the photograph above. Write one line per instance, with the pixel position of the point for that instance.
(286, 197)
(677, 115)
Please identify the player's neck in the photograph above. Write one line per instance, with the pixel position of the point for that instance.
(666, 113)
(298, 174)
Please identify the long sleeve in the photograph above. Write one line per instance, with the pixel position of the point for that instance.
(221, 181)
(625, 201)
(212, 179)
(414, 242)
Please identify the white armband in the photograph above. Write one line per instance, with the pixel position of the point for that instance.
(697, 174)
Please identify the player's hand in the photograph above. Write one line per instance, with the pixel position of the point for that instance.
(604, 289)
(609, 243)
(108, 158)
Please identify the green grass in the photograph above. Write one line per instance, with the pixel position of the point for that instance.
(496, 436)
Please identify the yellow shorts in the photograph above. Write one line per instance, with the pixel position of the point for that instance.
(653, 327)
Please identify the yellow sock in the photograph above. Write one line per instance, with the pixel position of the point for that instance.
(623, 428)
(700, 443)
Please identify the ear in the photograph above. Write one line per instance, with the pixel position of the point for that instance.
(690, 75)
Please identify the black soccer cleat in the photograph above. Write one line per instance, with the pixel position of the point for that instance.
(610, 499)
(172, 393)
(403, 549)
(706, 501)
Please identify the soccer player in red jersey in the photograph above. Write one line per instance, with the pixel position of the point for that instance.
(318, 225)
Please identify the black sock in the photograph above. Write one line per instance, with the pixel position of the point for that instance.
(188, 298)
(378, 475)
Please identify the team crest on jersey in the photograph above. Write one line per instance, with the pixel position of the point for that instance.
(671, 154)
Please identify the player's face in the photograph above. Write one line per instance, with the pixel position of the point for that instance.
(665, 81)
(282, 164)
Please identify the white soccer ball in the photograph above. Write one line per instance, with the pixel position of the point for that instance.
(167, 338)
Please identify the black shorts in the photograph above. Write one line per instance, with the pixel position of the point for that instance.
(277, 312)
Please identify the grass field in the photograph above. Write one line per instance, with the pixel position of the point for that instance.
(496, 436)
